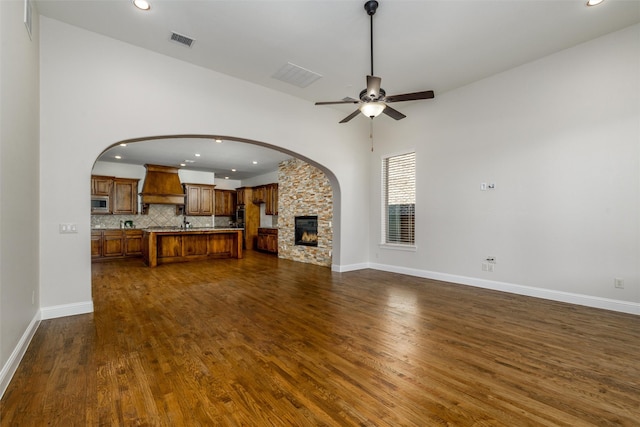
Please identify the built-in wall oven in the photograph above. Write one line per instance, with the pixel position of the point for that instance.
(240, 216)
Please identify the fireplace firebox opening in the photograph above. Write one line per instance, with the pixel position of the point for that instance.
(306, 230)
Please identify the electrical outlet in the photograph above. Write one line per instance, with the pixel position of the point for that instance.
(485, 266)
(491, 268)
(618, 282)
(483, 186)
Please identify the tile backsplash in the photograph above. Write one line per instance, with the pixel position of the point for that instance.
(159, 216)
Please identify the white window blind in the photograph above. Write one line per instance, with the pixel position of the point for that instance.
(399, 199)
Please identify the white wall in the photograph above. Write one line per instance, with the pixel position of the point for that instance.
(267, 178)
(227, 184)
(560, 137)
(19, 193)
(93, 86)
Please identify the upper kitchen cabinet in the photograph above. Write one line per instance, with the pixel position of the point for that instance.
(259, 194)
(199, 199)
(225, 202)
(124, 199)
(101, 185)
(271, 199)
(267, 194)
(240, 195)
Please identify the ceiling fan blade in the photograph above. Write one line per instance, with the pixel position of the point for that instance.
(350, 116)
(373, 87)
(427, 94)
(394, 114)
(344, 101)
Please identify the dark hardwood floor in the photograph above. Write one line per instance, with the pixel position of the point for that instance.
(266, 342)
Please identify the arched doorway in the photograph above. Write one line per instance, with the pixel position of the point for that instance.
(305, 187)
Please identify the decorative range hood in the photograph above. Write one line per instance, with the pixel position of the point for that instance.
(161, 186)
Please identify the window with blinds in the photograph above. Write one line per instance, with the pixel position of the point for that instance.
(399, 199)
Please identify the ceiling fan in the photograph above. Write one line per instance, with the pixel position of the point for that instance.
(374, 100)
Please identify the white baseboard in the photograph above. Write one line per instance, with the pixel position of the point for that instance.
(18, 352)
(550, 294)
(350, 267)
(64, 310)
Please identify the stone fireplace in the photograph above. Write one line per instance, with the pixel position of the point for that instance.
(304, 191)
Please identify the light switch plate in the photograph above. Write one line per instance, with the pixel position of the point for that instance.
(67, 228)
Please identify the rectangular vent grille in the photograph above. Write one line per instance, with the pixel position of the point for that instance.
(295, 75)
(179, 38)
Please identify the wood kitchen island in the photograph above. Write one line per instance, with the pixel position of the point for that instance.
(161, 246)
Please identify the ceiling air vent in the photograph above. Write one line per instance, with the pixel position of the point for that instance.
(296, 75)
(179, 38)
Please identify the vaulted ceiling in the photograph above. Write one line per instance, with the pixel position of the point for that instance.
(418, 45)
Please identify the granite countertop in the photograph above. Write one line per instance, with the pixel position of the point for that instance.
(190, 229)
(170, 228)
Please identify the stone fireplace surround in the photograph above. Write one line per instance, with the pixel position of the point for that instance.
(304, 190)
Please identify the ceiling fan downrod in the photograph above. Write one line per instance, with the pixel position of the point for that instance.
(371, 6)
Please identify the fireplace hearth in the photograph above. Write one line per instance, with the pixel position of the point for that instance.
(306, 230)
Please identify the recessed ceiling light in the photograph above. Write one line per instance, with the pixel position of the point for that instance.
(197, 154)
(233, 170)
(226, 177)
(189, 161)
(182, 164)
(218, 140)
(118, 157)
(142, 4)
(255, 162)
(123, 145)
(594, 2)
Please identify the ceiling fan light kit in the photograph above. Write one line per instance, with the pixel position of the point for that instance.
(372, 109)
(373, 100)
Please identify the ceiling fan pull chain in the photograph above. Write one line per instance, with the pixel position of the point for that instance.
(371, 133)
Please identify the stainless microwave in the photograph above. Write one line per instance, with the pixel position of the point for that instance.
(100, 205)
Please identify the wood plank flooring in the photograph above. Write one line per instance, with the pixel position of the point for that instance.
(261, 341)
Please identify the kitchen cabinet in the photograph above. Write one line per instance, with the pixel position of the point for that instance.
(115, 244)
(267, 194)
(225, 202)
(240, 196)
(161, 247)
(271, 199)
(101, 185)
(268, 240)
(199, 199)
(259, 194)
(124, 196)
(96, 244)
(132, 243)
(112, 243)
